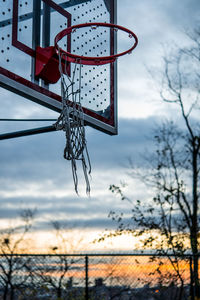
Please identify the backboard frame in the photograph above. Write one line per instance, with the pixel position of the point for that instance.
(40, 94)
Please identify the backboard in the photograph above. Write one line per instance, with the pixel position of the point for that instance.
(26, 24)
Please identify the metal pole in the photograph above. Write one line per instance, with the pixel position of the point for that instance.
(46, 32)
(86, 279)
(16, 134)
(35, 34)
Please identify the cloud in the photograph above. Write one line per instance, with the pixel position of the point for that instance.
(35, 175)
(33, 172)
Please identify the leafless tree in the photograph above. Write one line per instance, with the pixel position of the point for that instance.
(12, 241)
(170, 221)
(51, 273)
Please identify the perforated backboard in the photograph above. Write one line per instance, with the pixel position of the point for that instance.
(26, 24)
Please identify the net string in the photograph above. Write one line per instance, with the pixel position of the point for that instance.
(71, 121)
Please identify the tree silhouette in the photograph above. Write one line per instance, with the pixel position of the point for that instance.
(170, 221)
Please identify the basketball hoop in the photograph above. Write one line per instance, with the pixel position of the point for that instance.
(71, 119)
(90, 60)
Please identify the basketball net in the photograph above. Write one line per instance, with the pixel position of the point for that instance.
(71, 121)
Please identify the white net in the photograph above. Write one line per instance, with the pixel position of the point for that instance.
(71, 121)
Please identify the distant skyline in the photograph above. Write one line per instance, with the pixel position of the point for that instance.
(33, 173)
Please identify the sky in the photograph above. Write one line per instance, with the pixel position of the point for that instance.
(33, 173)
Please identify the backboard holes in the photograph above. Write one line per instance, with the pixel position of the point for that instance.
(8, 48)
(25, 27)
(60, 26)
(104, 99)
(20, 29)
(3, 13)
(2, 51)
(90, 102)
(2, 38)
(9, 9)
(7, 60)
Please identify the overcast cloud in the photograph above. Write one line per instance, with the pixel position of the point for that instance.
(33, 172)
